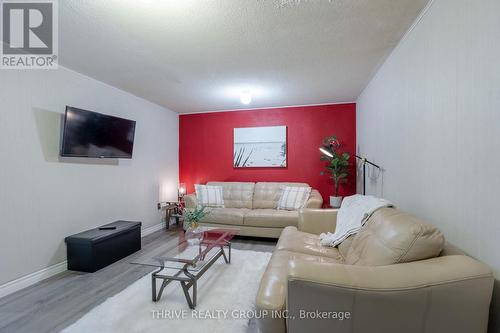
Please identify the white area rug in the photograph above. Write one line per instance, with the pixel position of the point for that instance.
(225, 292)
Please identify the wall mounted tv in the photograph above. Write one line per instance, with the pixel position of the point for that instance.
(92, 134)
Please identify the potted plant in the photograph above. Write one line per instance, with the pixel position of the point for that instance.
(337, 166)
(192, 217)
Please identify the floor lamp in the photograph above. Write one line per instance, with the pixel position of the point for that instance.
(365, 162)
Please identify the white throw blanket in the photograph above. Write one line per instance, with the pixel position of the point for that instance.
(354, 212)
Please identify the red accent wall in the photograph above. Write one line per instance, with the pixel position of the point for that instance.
(206, 145)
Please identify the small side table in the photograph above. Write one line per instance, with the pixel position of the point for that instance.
(172, 209)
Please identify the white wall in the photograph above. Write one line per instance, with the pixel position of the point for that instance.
(431, 118)
(44, 199)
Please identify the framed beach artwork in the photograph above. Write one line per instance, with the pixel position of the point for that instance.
(260, 147)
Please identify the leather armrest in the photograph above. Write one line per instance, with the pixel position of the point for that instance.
(316, 221)
(448, 294)
(315, 200)
(414, 274)
(190, 200)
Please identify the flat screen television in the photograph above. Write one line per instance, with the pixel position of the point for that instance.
(92, 134)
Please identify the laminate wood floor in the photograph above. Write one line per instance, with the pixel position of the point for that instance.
(55, 303)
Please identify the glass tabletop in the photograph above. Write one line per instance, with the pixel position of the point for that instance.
(177, 253)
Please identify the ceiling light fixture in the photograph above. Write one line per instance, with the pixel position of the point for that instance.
(246, 97)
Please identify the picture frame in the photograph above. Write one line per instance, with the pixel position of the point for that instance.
(260, 147)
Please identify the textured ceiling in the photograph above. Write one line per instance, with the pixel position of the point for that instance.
(198, 55)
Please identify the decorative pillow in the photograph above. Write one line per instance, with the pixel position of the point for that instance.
(209, 196)
(293, 198)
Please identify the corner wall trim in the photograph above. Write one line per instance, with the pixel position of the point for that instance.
(45, 273)
(375, 72)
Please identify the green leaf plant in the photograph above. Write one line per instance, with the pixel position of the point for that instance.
(338, 165)
(193, 216)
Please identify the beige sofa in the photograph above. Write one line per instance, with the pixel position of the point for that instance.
(252, 208)
(396, 275)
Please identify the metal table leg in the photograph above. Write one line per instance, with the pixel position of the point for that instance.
(153, 285)
(166, 281)
(190, 280)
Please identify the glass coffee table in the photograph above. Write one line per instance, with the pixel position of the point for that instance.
(181, 261)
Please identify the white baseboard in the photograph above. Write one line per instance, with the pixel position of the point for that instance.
(30, 279)
(35, 277)
(149, 230)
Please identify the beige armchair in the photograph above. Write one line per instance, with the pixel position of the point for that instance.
(445, 291)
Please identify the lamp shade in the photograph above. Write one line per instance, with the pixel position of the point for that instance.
(182, 189)
(325, 152)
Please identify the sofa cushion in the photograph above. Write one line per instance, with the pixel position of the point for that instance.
(267, 195)
(236, 194)
(232, 216)
(391, 236)
(297, 241)
(271, 218)
(345, 246)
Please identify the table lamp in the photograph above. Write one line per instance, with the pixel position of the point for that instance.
(181, 190)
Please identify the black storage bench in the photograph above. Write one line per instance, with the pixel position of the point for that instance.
(94, 249)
